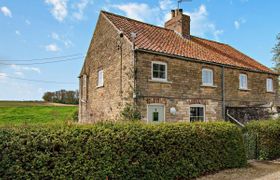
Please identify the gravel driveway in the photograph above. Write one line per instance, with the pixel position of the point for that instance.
(256, 170)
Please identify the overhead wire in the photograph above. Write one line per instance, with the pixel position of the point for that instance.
(45, 62)
(36, 80)
(46, 58)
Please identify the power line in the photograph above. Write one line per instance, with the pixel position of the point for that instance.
(35, 80)
(46, 58)
(46, 62)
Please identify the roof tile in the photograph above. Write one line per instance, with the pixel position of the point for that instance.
(154, 38)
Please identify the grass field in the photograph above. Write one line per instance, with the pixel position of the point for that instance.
(34, 112)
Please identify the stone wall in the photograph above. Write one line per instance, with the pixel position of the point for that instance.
(113, 54)
(184, 88)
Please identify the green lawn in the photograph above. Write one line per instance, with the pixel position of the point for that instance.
(23, 112)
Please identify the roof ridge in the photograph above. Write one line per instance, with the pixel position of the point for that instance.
(106, 12)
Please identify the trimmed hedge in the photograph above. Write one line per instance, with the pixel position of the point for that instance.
(120, 151)
(267, 135)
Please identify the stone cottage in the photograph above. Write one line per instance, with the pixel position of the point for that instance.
(170, 75)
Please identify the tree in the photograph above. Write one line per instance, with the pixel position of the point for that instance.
(48, 96)
(276, 54)
(62, 96)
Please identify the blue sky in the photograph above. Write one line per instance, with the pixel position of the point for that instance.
(53, 28)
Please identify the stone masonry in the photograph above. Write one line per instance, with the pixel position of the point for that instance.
(128, 79)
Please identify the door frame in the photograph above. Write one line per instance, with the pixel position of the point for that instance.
(155, 104)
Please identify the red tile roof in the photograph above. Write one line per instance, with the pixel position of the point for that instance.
(158, 39)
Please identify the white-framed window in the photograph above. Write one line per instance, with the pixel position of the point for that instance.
(197, 113)
(207, 77)
(159, 71)
(243, 81)
(269, 85)
(100, 79)
(155, 113)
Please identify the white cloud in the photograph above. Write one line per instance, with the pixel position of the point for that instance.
(201, 25)
(237, 23)
(166, 4)
(18, 73)
(18, 68)
(19, 90)
(55, 36)
(3, 76)
(18, 32)
(59, 9)
(52, 48)
(62, 39)
(68, 43)
(6, 11)
(80, 6)
(138, 11)
(27, 22)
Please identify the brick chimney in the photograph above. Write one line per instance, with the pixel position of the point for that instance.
(179, 22)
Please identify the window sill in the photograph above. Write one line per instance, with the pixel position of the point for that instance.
(160, 81)
(208, 86)
(97, 87)
(240, 89)
(272, 92)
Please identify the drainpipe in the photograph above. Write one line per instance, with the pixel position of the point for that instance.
(223, 94)
(120, 48)
(133, 36)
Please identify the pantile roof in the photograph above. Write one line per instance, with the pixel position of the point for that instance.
(159, 39)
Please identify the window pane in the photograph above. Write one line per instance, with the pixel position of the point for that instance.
(162, 75)
(243, 81)
(156, 74)
(200, 111)
(155, 116)
(100, 78)
(269, 85)
(162, 67)
(155, 67)
(207, 76)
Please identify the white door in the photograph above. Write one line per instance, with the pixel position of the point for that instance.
(156, 113)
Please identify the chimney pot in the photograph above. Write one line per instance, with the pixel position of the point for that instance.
(172, 13)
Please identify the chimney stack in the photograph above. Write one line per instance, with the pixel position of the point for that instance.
(179, 22)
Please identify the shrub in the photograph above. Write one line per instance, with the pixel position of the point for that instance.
(130, 112)
(75, 116)
(267, 135)
(120, 151)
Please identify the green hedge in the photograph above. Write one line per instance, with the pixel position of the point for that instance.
(120, 151)
(267, 135)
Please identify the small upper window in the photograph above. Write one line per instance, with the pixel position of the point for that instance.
(207, 77)
(243, 83)
(100, 81)
(159, 71)
(269, 85)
